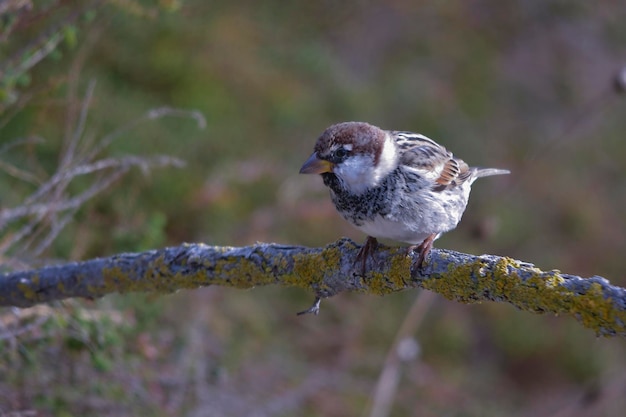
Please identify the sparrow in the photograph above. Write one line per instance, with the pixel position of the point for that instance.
(394, 185)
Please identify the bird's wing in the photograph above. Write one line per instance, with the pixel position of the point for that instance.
(431, 160)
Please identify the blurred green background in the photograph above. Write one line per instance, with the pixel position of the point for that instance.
(523, 85)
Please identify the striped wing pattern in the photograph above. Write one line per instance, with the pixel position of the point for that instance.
(431, 160)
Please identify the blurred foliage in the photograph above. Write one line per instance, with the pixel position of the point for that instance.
(523, 85)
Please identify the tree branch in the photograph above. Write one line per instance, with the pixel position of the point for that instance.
(328, 271)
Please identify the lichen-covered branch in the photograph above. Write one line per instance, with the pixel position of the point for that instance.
(327, 271)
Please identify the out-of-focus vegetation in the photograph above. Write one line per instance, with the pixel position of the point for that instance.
(521, 85)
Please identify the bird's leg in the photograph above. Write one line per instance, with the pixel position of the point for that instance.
(314, 309)
(423, 248)
(368, 249)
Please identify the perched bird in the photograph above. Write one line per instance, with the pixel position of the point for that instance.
(396, 185)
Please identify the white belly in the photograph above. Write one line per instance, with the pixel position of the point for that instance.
(387, 229)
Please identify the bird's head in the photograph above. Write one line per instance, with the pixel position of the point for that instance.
(358, 154)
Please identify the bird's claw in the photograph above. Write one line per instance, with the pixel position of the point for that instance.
(423, 249)
(367, 250)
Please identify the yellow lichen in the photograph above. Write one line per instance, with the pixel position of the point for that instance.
(540, 293)
(27, 291)
(309, 269)
(114, 280)
(376, 283)
(595, 311)
(458, 283)
(399, 268)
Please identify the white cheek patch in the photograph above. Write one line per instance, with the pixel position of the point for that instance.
(388, 160)
(357, 173)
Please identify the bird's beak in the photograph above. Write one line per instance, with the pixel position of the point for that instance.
(314, 165)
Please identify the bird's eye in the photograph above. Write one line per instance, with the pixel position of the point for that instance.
(341, 153)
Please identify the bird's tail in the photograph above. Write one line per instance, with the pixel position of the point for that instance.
(487, 172)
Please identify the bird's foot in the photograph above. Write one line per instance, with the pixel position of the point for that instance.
(314, 309)
(367, 250)
(423, 249)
